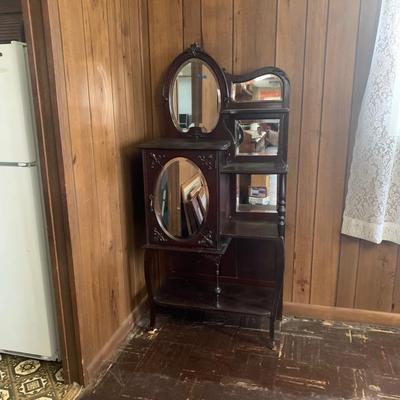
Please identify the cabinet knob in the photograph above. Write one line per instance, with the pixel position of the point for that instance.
(151, 198)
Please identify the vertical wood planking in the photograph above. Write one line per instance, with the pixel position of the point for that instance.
(314, 67)
(101, 92)
(192, 23)
(347, 275)
(166, 42)
(254, 47)
(102, 122)
(217, 29)
(349, 247)
(116, 35)
(290, 42)
(77, 91)
(376, 276)
(145, 61)
(340, 58)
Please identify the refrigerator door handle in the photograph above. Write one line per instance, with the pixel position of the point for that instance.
(18, 164)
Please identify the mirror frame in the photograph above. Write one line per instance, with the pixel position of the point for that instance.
(195, 52)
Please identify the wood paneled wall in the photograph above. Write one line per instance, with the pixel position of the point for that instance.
(325, 46)
(100, 72)
(110, 58)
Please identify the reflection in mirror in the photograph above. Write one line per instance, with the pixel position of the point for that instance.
(256, 193)
(258, 137)
(195, 100)
(181, 198)
(263, 88)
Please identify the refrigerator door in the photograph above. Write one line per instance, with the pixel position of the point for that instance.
(17, 127)
(26, 299)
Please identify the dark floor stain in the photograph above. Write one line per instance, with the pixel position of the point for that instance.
(212, 360)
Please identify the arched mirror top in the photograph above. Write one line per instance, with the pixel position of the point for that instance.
(195, 91)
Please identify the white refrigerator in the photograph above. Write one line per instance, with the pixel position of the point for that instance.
(27, 315)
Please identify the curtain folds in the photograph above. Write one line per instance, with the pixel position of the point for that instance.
(372, 208)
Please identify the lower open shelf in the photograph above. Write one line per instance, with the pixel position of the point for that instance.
(201, 295)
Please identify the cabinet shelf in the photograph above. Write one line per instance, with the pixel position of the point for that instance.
(201, 295)
(244, 229)
(267, 168)
(201, 250)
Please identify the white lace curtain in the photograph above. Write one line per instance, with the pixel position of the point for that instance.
(372, 209)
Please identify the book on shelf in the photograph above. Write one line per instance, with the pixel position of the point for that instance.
(190, 217)
(262, 201)
(258, 191)
(197, 210)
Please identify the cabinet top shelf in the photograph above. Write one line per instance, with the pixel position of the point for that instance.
(268, 167)
(186, 144)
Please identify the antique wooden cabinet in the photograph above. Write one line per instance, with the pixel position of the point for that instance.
(214, 190)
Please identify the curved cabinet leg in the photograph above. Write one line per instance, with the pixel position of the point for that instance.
(148, 275)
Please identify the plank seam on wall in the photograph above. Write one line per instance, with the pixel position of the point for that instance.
(201, 23)
(319, 145)
(289, 45)
(151, 81)
(349, 157)
(341, 50)
(143, 49)
(276, 29)
(183, 24)
(132, 110)
(116, 125)
(349, 151)
(233, 37)
(299, 147)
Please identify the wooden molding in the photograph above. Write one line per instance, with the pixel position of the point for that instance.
(109, 349)
(51, 162)
(341, 314)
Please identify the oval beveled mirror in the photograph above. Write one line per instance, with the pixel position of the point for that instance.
(195, 97)
(181, 198)
(266, 87)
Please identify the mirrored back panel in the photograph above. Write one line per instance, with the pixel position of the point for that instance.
(195, 97)
(262, 88)
(256, 193)
(257, 137)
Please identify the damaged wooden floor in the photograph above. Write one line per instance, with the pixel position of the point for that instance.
(209, 360)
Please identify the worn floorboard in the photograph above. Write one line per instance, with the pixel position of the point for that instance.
(196, 358)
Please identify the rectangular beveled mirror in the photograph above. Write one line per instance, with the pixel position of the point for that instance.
(262, 88)
(258, 137)
(256, 193)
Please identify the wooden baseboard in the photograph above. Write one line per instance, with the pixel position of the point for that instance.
(110, 348)
(341, 314)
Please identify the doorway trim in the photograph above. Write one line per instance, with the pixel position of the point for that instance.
(37, 31)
